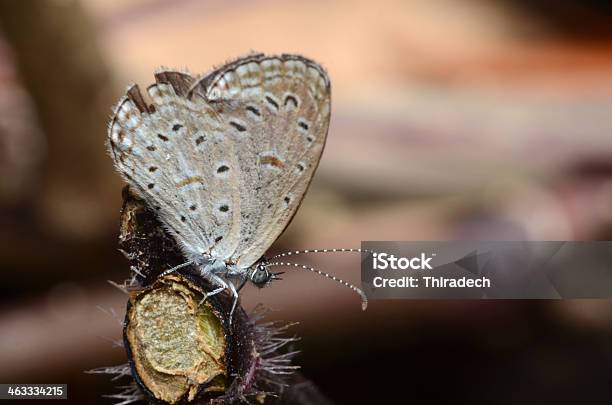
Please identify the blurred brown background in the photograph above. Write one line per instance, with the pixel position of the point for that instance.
(451, 119)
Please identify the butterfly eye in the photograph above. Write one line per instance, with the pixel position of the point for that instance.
(261, 276)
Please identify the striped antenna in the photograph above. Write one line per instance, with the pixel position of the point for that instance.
(364, 299)
(299, 252)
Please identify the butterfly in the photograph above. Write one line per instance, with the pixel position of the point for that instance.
(224, 160)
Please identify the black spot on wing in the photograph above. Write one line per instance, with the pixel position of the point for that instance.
(254, 110)
(291, 99)
(239, 127)
(272, 102)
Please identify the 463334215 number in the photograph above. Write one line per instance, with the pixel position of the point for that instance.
(33, 391)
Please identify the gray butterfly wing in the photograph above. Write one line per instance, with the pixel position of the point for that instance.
(278, 110)
(175, 153)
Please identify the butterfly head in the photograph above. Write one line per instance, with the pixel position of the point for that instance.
(261, 276)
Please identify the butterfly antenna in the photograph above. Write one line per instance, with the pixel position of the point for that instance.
(175, 268)
(299, 252)
(364, 299)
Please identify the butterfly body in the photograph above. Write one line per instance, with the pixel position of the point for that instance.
(225, 160)
(257, 273)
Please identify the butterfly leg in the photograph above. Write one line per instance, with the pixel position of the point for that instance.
(175, 268)
(235, 295)
(222, 285)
